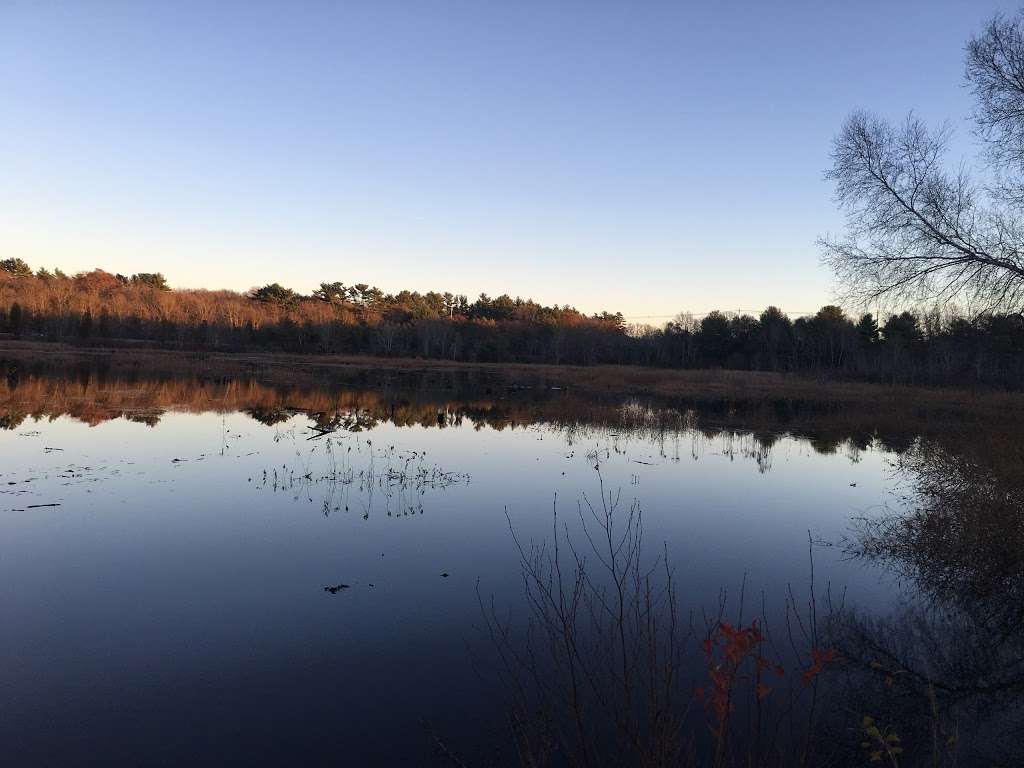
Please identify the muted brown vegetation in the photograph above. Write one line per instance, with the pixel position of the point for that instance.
(617, 380)
(98, 308)
(99, 305)
(358, 393)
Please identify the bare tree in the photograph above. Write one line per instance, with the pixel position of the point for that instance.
(995, 72)
(917, 230)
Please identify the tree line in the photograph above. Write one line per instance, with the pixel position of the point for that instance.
(917, 234)
(932, 347)
(336, 318)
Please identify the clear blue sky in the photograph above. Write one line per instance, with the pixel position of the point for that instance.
(637, 156)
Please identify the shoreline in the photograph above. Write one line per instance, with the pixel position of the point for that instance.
(604, 380)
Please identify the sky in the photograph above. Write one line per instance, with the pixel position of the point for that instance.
(647, 158)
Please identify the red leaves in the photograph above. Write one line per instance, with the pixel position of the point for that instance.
(819, 660)
(726, 650)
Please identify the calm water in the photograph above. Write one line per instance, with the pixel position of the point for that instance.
(165, 547)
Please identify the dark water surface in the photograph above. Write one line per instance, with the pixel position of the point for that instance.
(165, 545)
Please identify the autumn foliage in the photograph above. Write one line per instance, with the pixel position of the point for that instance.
(101, 308)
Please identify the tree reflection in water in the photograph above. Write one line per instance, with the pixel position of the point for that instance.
(947, 671)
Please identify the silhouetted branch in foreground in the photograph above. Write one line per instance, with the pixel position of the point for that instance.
(610, 672)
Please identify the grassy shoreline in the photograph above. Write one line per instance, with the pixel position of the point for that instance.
(609, 380)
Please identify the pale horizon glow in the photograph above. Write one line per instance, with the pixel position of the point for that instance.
(647, 159)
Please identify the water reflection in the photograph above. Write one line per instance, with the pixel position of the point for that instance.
(183, 501)
(343, 472)
(751, 429)
(948, 668)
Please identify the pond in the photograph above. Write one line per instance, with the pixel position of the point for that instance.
(215, 570)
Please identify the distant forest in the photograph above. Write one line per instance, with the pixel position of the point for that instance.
(100, 308)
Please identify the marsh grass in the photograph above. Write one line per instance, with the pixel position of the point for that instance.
(95, 390)
(696, 387)
(349, 471)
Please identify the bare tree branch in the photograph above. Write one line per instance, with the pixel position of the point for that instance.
(917, 230)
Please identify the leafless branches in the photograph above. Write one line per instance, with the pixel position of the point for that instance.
(995, 73)
(917, 230)
(607, 672)
(603, 646)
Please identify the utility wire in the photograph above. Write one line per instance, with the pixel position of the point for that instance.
(755, 312)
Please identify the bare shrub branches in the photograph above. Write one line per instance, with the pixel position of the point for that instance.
(607, 671)
(603, 645)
